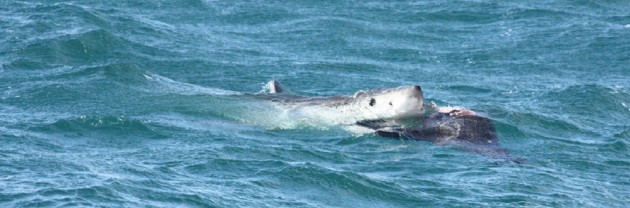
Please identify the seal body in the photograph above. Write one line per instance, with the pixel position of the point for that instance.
(465, 131)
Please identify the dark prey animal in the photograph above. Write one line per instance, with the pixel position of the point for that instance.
(465, 131)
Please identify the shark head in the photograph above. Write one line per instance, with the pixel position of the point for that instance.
(366, 105)
(392, 103)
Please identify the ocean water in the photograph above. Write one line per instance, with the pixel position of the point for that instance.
(135, 103)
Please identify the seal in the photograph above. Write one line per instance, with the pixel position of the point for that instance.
(460, 128)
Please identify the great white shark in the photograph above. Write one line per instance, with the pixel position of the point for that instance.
(380, 104)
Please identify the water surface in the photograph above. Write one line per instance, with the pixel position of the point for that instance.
(127, 103)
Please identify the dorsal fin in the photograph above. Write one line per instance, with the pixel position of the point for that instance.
(275, 87)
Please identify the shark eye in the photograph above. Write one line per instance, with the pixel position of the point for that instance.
(372, 102)
(390, 103)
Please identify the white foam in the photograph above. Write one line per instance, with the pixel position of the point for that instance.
(358, 130)
(266, 87)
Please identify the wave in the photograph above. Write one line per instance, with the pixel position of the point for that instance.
(344, 185)
(122, 192)
(590, 106)
(100, 82)
(107, 126)
(84, 48)
(316, 181)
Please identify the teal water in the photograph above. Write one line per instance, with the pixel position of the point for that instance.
(126, 103)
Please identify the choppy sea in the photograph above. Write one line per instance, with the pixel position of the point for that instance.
(130, 103)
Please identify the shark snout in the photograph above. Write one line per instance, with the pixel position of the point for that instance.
(416, 91)
(417, 88)
(406, 101)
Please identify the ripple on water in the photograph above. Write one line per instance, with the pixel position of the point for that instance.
(339, 188)
(85, 48)
(84, 196)
(147, 140)
(590, 108)
(101, 126)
